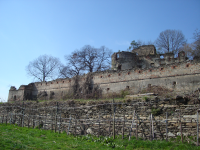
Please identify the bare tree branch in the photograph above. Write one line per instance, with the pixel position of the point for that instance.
(170, 41)
(43, 68)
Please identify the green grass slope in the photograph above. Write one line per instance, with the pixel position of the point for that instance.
(15, 137)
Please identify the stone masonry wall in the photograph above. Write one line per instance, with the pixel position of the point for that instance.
(180, 77)
(97, 118)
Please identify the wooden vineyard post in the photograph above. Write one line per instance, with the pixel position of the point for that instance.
(22, 124)
(152, 126)
(136, 130)
(75, 124)
(56, 116)
(131, 126)
(150, 135)
(99, 126)
(52, 120)
(113, 120)
(60, 121)
(197, 127)
(39, 122)
(45, 121)
(166, 127)
(2, 119)
(69, 125)
(6, 116)
(110, 124)
(15, 118)
(123, 127)
(181, 128)
(28, 120)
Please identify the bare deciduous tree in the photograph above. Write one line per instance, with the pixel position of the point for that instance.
(74, 65)
(87, 59)
(187, 48)
(170, 40)
(192, 49)
(196, 44)
(43, 68)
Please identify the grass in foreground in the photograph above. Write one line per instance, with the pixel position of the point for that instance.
(15, 137)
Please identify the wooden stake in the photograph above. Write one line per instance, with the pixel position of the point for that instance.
(99, 126)
(60, 122)
(56, 116)
(75, 124)
(150, 135)
(113, 120)
(181, 128)
(131, 125)
(69, 125)
(197, 128)
(123, 127)
(166, 127)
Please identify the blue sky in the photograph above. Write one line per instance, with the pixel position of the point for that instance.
(32, 28)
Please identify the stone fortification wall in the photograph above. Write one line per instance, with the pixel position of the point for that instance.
(180, 77)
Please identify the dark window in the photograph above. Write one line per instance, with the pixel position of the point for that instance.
(119, 67)
(174, 83)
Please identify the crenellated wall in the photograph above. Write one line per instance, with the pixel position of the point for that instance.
(181, 77)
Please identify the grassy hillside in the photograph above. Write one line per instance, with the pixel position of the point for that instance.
(15, 137)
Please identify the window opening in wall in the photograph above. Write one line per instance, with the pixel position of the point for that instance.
(63, 81)
(51, 82)
(119, 67)
(150, 70)
(119, 74)
(187, 65)
(57, 82)
(161, 69)
(161, 57)
(108, 89)
(15, 97)
(127, 87)
(174, 83)
(129, 73)
(117, 56)
(101, 76)
(139, 71)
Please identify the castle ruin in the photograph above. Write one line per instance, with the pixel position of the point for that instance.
(132, 71)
